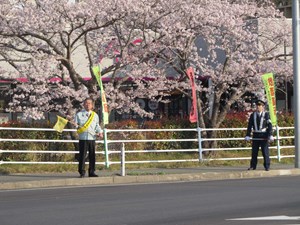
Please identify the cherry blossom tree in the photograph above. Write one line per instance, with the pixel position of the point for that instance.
(228, 42)
(56, 32)
(231, 42)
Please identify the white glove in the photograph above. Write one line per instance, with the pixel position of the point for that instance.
(247, 138)
(271, 138)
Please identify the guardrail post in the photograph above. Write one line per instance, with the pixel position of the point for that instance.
(105, 147)
(278, 143)
(123, 173)
(199, 144)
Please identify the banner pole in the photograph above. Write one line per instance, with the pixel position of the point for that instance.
(296, 63)
(105, 148)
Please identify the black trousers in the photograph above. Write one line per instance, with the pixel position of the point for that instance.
(265, 152)
(84, 147)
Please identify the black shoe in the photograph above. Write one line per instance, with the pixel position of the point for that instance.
(93, 175)
(266, 169)
(82, 175)
(251, 168)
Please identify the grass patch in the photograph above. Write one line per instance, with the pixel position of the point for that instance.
(60, 168)
(137, 173)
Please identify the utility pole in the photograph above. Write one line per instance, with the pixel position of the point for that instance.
(296, 63)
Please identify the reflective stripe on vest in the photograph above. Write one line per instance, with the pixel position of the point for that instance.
(256, 128)
(87, 123)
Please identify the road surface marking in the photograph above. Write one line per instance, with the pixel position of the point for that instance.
(269, 218)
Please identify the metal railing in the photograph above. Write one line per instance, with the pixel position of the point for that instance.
(124, 139)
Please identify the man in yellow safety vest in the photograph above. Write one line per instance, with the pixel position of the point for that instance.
(88, 129)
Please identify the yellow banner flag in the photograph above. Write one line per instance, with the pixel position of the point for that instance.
(269, 83)
(60, 124)
(105, 113)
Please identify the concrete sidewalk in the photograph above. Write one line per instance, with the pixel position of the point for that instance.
(107, 177)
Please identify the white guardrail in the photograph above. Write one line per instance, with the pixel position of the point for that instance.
(122, 151)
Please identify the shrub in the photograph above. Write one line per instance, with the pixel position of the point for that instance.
(20, 134)
(234, 120)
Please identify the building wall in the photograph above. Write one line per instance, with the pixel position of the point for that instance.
(285, 6)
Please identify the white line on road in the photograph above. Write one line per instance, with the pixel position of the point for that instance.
(270, 218)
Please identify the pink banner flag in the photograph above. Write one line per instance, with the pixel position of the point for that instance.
(193, 111)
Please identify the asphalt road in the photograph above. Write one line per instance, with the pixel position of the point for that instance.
(188, 203)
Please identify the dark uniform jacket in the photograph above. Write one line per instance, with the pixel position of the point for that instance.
(261, 126)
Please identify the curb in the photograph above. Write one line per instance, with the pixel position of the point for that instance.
(117, 180)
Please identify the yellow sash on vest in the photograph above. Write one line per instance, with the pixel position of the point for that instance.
(87, 124)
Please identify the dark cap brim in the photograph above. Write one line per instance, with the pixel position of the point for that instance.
(260, 102)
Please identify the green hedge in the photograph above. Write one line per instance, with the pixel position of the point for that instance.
(20, 134)
(236, 120)
(161, 124)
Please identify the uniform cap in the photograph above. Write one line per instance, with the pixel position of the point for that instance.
(260, 102)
